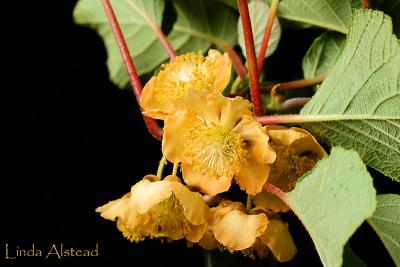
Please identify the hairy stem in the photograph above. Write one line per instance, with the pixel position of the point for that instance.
(364, 4)
(294, 118)
(267, 33)
(153, 26)
(251, 58)
(295, 84)
(151, 124)
(276, 191)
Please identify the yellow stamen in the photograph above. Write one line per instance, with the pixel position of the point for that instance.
(215, 150)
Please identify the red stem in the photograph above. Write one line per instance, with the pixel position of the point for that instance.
(364, 4)
(236, 62)
(276, 191)
(251, 58)
(278, 119)
(267, 34)
(151, 124)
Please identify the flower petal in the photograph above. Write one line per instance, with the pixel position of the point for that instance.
(194, 207)
(196, 101)
(211, 185)
(150, 104)
(253, 176)
(279, 240)
(115, 208)
(196, 233)
(237, 230)
(174, 134)
(208, 241)
(146, 194)
(221, 66)
(252, 132)
(269, 202)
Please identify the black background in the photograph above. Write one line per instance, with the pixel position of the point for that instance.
(76, 141)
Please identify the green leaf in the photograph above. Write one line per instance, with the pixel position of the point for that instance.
(327, 201)
(322, 54)
(145, 49)
(258, 16)
(350, 259)
(390, 7)
(386, 223)
(357, 106)
(201, 23)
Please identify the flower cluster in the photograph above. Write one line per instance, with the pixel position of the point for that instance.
(217, 141)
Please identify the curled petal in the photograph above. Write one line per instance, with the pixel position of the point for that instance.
(115, 208)
(237, 230)
(145, 194)
(196, 233)
(269, 202)
(221, 66)
(174, 134)
(208, 241)
(210, 185)
(252, 176)
(252, 132)
(194, 207)
(279, 240)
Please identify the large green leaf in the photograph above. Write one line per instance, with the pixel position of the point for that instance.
(386, 223)
(358, 104)
(195, 29)
(332, 201)
(201, 23)
(147, 53)
(322, 54)
(258, 10)
(329, 14)
(390, 7)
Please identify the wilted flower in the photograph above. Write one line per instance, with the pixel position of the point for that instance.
(232, 227)
(159, 209)
(216, 138)
(186, 72)
(297, 152)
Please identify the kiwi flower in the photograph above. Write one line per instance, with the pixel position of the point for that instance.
(186, 72)
(216, 139)
(159, 209)
(297, 152)
(231, 227)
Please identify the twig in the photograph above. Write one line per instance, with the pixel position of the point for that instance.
(294, 103)
(251, 58)
(151, 124)
(276, 191)
(296, 84)
(267, 33)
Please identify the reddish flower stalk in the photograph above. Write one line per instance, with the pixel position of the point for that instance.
(364, 4)
(151, 124)
(296, 84)
(267, 33)
(276, 191)
(251, 58)
(236, 62)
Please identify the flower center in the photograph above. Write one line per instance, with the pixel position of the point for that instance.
(186, 72)
(215, 150)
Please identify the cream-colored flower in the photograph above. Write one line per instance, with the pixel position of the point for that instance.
(217, 138)
(186, 72)
(232, 227)
(159, 209)
(297, 152)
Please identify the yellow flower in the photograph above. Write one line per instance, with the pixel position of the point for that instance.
(216, 138)
(297, 152)
(186, 72)
(232, 227)
(159, 209)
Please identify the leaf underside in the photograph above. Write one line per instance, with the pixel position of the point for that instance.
(365, 81)
(386, 223)
(332, 201)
